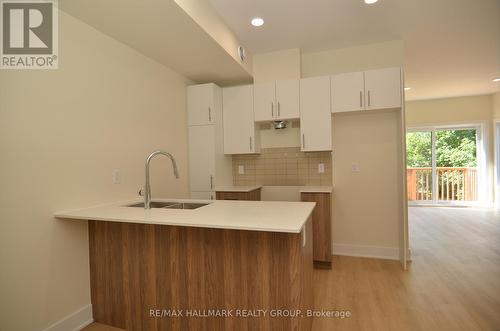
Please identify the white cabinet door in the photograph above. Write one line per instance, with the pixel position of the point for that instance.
(202, 195)
(287, 99)
(347, 92)
(202, 157)
(315, 115)
(383, 88)
(201, 104)
(264, 102)
(239, 125)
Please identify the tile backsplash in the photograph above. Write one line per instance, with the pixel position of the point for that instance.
(284, 167)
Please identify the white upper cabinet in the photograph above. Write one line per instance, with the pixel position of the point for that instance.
(201, 157)
(348, 92)
(287, 99)
(264, 101)
(239, 127)
(202, 103)
(315, 115)
(372, 89)
(383, 88)
(276, 100)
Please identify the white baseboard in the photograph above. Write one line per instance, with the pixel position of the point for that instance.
(389, 253)
(75, 321)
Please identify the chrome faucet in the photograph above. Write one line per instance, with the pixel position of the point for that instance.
(147, 187)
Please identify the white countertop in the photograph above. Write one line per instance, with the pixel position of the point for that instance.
(237, 188)
(316, 189)
(305, 189)
(268, 216)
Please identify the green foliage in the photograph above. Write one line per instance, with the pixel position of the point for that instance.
(454, 148)
(419, 149)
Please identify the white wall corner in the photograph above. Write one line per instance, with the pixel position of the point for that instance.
(377, 252)
(74, 321)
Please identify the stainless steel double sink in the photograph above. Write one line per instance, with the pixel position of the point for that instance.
(170, 205)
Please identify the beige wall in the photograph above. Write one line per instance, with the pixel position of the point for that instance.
(61, 134)
(496, 105)
(461, 110)
(372, 56)
(372, 140)
(207, 17)
(365, 209)
(443, 111)
(279, 65)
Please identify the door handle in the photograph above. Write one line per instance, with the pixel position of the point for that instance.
(250, 144)
(361, 99)
(209, 114)
(303, 141)
(369, 99)
(272, 109)
(279, 109)
(211, 182)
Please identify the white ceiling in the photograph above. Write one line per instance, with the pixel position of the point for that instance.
(163, 31)
(452, 47)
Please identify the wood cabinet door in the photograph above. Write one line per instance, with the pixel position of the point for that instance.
(202, 157)
(239, 125)
(315, 115)
(201, 104)
(321, 218)
(347, 92)
(287, 99)
(383, 88)
(264, 102)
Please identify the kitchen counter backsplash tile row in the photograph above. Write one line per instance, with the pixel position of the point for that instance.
(283, 167)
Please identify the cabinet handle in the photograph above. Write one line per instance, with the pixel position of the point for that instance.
(303, 141)
(369, 99)
(361, 99)
(209, 114)
(279, 109)
(211, 182)
(272, 109)
(250, 144)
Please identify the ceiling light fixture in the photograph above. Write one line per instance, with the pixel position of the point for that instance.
(257, 21)
(407, 88)
(496, 79)
(369, 2)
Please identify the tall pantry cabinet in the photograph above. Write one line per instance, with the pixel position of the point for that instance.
(208, 166)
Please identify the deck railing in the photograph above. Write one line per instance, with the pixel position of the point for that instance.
(453, 183)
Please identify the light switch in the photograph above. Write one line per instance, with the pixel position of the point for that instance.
(241, 169)
(321, 168)
(355, 167)
(116, 176)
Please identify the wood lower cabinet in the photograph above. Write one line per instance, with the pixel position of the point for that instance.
(322, 234)
(231, 195)
(138, 271)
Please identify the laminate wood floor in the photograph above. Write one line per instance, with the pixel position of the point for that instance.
(453, 282)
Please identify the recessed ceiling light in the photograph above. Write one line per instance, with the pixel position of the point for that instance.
(257, 21)
(369, 2)
(407, 88)
(496, 79)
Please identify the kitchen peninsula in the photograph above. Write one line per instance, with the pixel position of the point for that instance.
(199, 255)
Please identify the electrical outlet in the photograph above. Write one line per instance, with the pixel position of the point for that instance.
(241, 170)
(355, 167)
(321, 168)
(117, 176)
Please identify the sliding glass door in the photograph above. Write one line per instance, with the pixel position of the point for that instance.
(442, 165)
